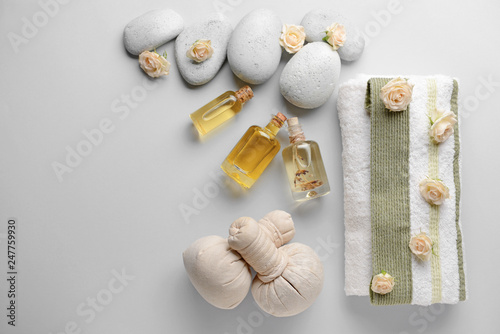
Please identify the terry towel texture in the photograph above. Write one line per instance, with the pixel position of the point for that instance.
(382, 211)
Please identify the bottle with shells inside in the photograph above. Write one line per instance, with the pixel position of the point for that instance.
(304, 165)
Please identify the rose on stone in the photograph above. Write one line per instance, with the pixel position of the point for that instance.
(292, 37)
(434, 191)
(154, 64)
(397, 94)
(200, 50)
(335, 35)
(382, 283)
(421, 246)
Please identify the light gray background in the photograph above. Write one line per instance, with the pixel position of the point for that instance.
(120, 208)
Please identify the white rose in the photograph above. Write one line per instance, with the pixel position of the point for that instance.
(201, 50)
(421, 246)
(396, 94)
(335, 35)
(153, 64)
(292, 37)
(434, 191)
(382, 283)
(443, 127)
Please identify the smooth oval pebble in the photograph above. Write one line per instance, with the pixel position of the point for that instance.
(217, 29)
(315, 23)
(309, 78)
(152, 30)
(254, 51)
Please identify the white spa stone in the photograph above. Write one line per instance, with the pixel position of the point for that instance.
(151, 30)
(309, 78)
(216, 28)
(254, 51)
(315, 23)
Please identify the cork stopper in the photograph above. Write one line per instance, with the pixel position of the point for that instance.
(295, 133)
(292, 121)
(279, 119)
(244, 94)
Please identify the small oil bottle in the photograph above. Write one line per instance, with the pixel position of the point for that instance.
(304, 165)
(253, 152)
(220, 110)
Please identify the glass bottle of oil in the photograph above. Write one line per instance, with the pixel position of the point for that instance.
(220, 110)
(304, 165)
(253, 152)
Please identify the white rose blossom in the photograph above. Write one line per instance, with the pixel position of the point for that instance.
(335, 35)
(292, 37)
(442, 125)
(382, 283)
(434, 191)
(397, 94)
(153, 64)
(200, 50)
(421, 246)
